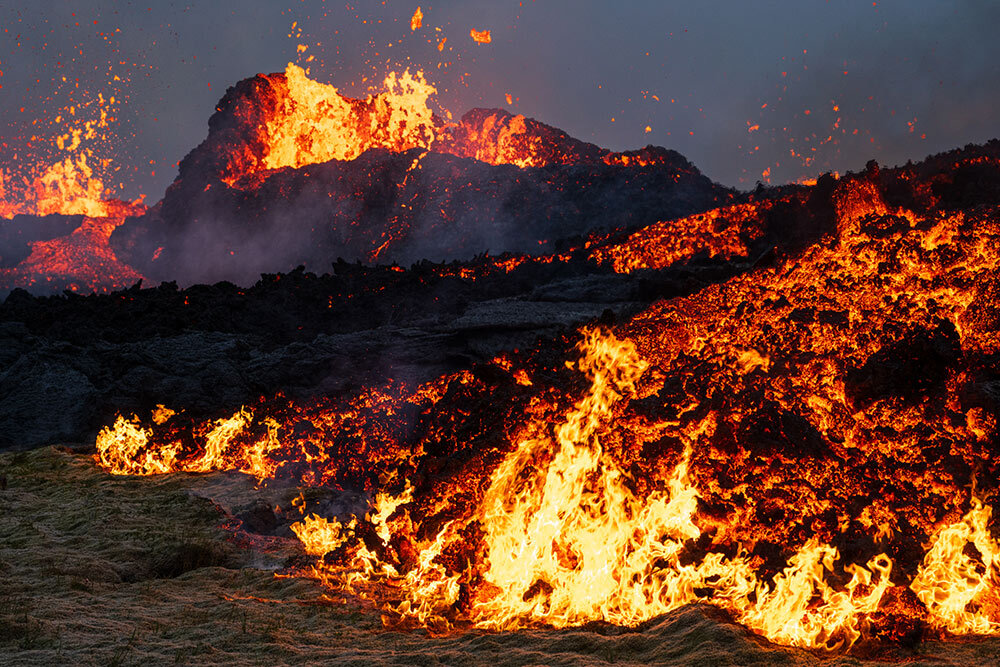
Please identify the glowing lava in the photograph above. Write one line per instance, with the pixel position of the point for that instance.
(807, 445)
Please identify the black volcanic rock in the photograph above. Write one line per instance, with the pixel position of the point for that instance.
(375, 208)
(227, 218)
(911, 368)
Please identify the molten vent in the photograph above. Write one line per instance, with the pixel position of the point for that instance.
(290, 120)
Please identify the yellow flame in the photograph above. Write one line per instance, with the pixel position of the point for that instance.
(949, 581)
(315, 123)
(68, 186)
(162, 414)
(480, 36)
(569, 541)
(574, 543)
(218, 441)
(122, 448)
(319, 536)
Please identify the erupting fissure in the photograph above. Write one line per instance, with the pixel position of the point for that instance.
(291, 120)
(70, 180)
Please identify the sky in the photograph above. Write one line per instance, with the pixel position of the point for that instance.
(771, 90)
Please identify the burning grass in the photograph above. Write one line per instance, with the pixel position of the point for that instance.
(88, 588)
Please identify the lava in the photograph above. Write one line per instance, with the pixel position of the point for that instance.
(316, 124)
(480, 36)
(742, 446)
(69, 179)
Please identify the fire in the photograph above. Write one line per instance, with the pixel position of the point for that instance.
(417, 20)
(70, 183)
(162, 414)
(571, 541)
(742, 446)
(318, 535)
(722, 232)
(950, 580)
(67, 177)
(504, 139)
(123, 449)
(68, 186)
(480, 36)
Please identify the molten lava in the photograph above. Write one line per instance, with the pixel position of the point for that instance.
(480, 36)
(315, 123)
(72, 183)
(804, 445)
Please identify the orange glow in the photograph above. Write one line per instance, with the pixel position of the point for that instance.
(162, 414)
(719, 233)
(68, 184)
(318, 535)
(480, 36)
(417, 20)
(83, 260)
(316, 124)
(950, 581)
(733, 446)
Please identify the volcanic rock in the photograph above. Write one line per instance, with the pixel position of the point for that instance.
(226, 217)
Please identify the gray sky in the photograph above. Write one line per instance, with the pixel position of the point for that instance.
(842, 81)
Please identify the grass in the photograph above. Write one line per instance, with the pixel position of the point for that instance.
(104, 570)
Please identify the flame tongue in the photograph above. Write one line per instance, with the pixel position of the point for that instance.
(949, 580)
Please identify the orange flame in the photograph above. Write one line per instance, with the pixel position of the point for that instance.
(950, 581)
(317, 124)
(559, 529)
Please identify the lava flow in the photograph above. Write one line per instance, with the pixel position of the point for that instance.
(71, 183)
(810, 445)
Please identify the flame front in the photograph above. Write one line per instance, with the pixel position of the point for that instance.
(740, 446)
